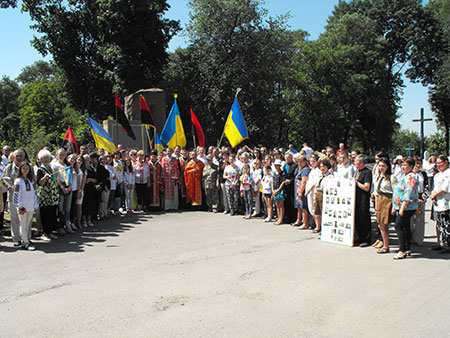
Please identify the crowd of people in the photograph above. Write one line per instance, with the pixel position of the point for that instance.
(62, 193)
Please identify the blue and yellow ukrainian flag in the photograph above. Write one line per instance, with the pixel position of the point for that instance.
(102, 139)
(158, 144)
(173, 132)
(235, 128)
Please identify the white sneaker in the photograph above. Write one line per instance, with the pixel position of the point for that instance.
(268, 219)
(45, 238)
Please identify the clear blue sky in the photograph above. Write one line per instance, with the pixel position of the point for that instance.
(311, 16)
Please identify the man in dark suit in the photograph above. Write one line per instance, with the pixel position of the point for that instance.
(363, 182)
(289, 170)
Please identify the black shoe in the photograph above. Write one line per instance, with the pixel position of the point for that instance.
(364, 245)
(18, 243)
(444, 251)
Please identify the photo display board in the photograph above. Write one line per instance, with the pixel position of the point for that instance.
(338, 212)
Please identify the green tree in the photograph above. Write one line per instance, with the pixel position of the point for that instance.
(440, 104)
(339, 87)
(38, 70)
(234, 45)
(403, 24)
(371, 43)
(8, 3)
(103, 44)
(9, 93)
(439, 93)
(404, 139)
(418, 38)
(45, 110)
(436, 143)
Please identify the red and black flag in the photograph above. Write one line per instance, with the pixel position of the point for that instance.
(122, 119)
(146, 114)
(198, 128)
(69, 143)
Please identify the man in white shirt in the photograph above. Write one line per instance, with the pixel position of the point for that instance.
(441, 202)
(5, 157)
(307, 150)
(397, 168)
(216, 157)
(201, 155)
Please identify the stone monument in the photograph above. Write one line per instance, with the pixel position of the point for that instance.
(156, 100)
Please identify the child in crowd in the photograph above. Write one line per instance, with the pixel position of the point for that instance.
(257, 176)
(128, 181)
(278, 191)
(246, 189)
(26, 201)
(103, 205)
(81, 172)
(113, 179)
(75, 222)
(267, 183)
(231, 176)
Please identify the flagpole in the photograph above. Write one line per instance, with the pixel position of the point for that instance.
(236, 95)
(152, 140)
(148, 137)
(117, 119)
(218, 145)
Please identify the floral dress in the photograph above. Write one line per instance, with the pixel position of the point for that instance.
(406, 190)
(49, 192)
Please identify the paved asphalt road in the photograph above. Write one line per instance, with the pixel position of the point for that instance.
(197, 274)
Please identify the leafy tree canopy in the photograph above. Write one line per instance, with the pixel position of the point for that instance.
(102, 46)
(38, 70)
(233, 44)
(404, 139)
(8, 3)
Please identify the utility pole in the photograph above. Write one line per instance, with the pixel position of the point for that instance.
(421, 120)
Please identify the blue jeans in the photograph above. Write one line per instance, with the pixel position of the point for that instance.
(129, 198)
(248, 201)
(65, 202)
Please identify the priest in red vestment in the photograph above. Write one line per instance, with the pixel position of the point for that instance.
(156, 186)
(193, 177)
(170, 176)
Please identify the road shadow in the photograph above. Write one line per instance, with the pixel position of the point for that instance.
(112, 226)
(418, 252)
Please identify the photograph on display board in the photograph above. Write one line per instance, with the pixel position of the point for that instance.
(338, 211)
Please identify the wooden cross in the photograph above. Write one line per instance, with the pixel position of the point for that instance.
(421, 120)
